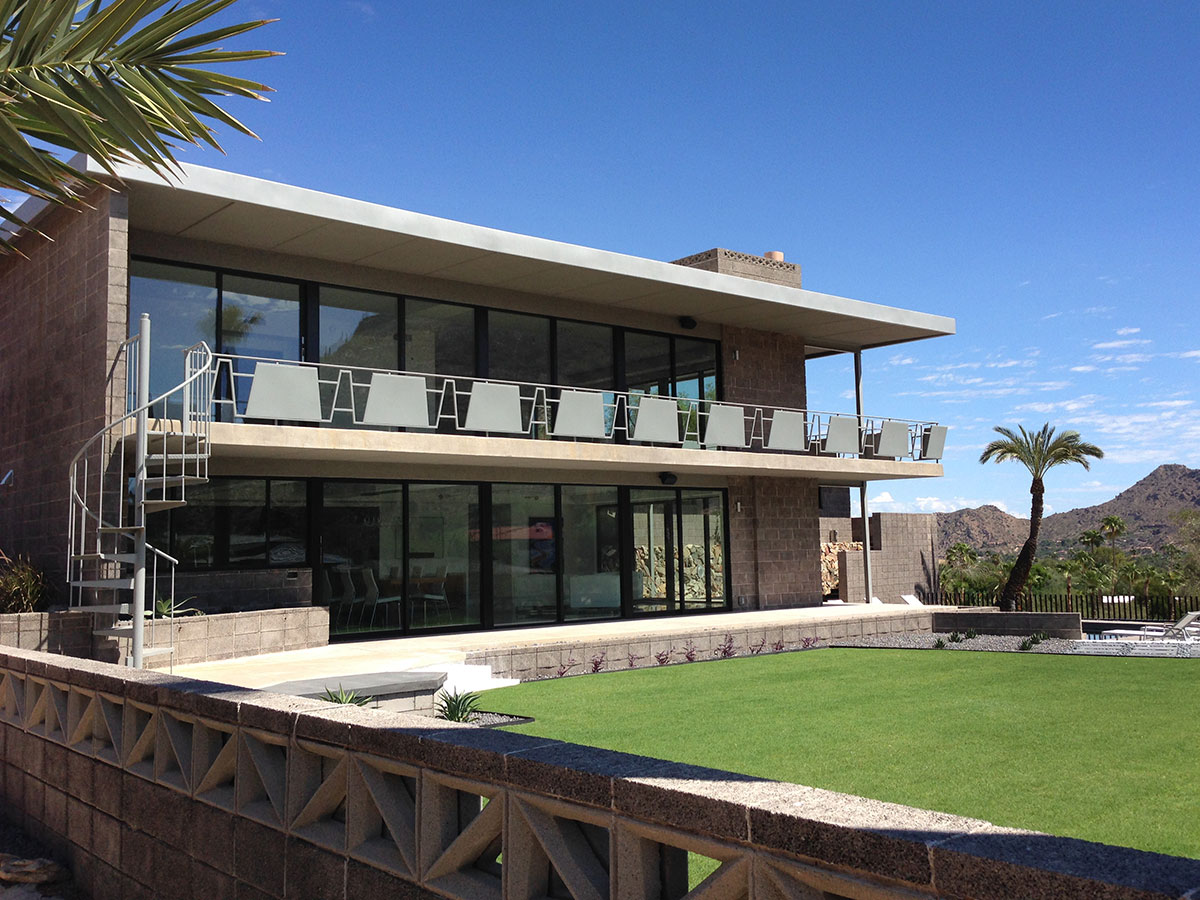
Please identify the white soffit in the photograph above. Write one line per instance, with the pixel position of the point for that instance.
(222, 207)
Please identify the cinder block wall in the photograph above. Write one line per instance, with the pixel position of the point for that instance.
(775, 543)
(903, 558)
(63, 312)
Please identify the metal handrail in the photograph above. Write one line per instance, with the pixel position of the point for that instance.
(341, 403)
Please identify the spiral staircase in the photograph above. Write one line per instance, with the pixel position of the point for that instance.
(124, 474)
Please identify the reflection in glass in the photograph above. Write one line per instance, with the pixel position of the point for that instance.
(439, 338)
(259, 318)
(443, 554)
(524, 554)
(655, 559)
(182, 304)
(361, 575)
(702, 558)
(647, 363)
(358, 328)
(591, 559)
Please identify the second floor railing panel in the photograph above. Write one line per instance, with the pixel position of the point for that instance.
(258, 390)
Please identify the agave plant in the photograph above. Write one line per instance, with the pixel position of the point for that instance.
(345, 697)
(117, 80)
(455, 706)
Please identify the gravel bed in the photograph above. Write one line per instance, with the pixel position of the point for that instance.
(498, 720)
(924, 641)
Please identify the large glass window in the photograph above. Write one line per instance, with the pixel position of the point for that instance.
(439, 338)
(358, 328)
(647, 363)
(241, 523)
(518, 347)
(524, 554)
(443, 554)
(182, 304)
(591, 558)
(585, 355)
(678, 550)
(702, 558)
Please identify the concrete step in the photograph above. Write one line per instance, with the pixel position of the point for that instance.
(463, 677)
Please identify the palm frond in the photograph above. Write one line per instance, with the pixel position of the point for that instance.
(122, 81)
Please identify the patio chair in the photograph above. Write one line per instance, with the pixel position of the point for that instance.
(1183, 630)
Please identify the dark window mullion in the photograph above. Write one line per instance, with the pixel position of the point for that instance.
(559, 578)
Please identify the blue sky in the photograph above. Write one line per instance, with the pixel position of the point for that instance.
(1030, 169)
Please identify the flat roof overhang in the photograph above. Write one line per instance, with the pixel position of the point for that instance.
(211, 205)
(354, 448)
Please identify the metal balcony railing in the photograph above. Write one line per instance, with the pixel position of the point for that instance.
(269, 391)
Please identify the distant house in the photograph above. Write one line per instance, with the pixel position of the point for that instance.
(425, 424)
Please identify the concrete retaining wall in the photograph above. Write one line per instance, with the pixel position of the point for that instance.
(149, 785)
(545, 660)
(1059, 625)
(195, 638)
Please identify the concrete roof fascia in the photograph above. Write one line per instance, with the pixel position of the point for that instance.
(260, 192)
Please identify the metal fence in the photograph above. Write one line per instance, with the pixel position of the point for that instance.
(1122, 608)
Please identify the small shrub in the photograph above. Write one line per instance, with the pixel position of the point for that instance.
(756, 649)
(633, 659)
(939, 644)
(345, 697)
(1026, 644)
(809, 642)
(662, 657)
(1039, 636)
(22, 585)
(564, 668)
(167, 608)
(689, 651)
(972, 634)
(598, 661)
(457, 707)
(955, 637)
(778, 646)
(725, 649)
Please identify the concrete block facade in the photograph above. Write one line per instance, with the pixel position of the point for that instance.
(63, 313)
(903, 555)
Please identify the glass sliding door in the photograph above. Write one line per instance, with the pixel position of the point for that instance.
(259, 318)
(524, 554)
(358, 328)
(590, 548)
(519, 350)
(584, 359)
(361, 574)
(702, 555)
(694, 378)
(655, 560)
(443, 556)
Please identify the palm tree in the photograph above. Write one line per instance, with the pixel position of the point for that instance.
(1039, 452)
(117, 80)
(1112, 527)
(961, 556)
(1091, 539)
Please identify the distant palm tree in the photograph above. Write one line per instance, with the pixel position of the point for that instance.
(1038, 452)
(119, 80)
(1112, 527)
(1091, 539)
(961, 555)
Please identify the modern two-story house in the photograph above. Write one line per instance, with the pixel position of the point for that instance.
(419, 423)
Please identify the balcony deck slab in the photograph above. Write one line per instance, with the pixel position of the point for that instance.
(297, 450)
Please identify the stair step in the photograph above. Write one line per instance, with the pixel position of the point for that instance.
(153, 506)
(166, 482)
(103, 557)
(131, 530)
(106, 583)
(117, 631)
(119, 609)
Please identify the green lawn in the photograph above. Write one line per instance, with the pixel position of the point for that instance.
(1099, 748)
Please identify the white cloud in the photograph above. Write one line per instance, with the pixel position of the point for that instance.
(1168, 404)
(885, 497)
(1084, 402)
(1083, 368)
(1113, 345)
(901, 360)
(1124, 331)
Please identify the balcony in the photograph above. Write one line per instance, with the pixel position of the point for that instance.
(311, 412)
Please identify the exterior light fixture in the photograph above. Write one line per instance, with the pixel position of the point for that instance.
(668, 478)
(687, 322)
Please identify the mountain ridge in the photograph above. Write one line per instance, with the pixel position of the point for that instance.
(1146, 506)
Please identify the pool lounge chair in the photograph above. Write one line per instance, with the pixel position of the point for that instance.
(1184, 630)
